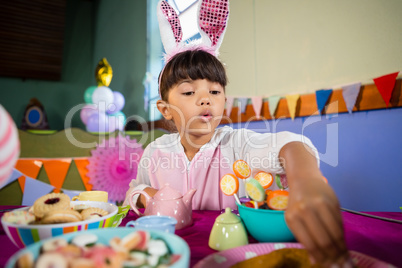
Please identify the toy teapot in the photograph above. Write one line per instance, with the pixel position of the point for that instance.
(168, 202)
(228, 232)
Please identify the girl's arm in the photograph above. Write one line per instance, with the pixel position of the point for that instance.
(313, 212)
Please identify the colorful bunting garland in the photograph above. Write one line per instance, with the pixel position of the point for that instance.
(385, 85)
(27, 170)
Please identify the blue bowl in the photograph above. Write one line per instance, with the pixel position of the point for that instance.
(266, 225)
(175, 243)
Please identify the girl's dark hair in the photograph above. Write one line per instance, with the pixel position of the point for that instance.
(191, 64)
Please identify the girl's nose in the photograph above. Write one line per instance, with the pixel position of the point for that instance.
(205, 101)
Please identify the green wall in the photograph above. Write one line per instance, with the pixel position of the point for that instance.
(94, 29)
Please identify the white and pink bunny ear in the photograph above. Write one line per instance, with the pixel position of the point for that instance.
(169, 26)
(212, 21)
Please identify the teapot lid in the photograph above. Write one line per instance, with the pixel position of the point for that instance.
(167, 193)
(228, 217)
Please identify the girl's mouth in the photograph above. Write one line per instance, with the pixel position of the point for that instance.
(206, 116)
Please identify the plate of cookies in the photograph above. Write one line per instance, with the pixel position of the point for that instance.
(55, 214)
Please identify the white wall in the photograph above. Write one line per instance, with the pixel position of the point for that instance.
(274, 47)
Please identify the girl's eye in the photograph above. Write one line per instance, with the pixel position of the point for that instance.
(188, 93)
(215, 92)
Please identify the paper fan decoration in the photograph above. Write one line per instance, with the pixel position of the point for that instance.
(113, 165)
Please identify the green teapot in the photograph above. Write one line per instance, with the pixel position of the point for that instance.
(228, 232)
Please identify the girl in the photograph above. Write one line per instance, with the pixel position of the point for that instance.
(192, 88)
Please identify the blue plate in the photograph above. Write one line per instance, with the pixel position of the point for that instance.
(175, 243)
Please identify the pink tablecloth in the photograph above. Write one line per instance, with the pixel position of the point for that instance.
(373, 237)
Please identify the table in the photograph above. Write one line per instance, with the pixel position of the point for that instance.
(377, 238)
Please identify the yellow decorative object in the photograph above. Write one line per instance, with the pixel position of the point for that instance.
(103, 73)
(292, 104)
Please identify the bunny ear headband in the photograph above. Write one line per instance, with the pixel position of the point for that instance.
(212, 19)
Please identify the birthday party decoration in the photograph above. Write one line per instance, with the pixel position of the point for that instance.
(15, 174)
(81, 165)
(273, 104)
(36, 190)
(103, 73)
(26, 172)
(350, 93)
(88, 94)
(9, 145)
(257, 105)
(242, 104)
(34, 116)
(102, 112)
(29, 167)
(385, 85)
(292, 104)
(113, 165)
(57, 171)
(322, 97)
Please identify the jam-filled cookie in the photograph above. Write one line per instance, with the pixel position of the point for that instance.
(50, 202)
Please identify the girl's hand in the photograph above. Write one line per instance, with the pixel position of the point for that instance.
(314, 217)
(141, 201)
(313, 213)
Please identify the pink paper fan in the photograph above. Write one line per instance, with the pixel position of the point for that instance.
(113, 165)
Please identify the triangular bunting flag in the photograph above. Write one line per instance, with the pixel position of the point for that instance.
(273, 104)
(56, 171)
(29, 167)
(321, 97)
(71, 193)
(350, 93)
(229, 105)
(385, 85)
(257, 105)
(36, 190)
(21, 182)
(15, 174)
(292, 104)
(242, 104)
(82, 169)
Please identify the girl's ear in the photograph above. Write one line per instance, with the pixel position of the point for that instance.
(163, 107)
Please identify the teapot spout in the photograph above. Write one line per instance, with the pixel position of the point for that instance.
(188, 197)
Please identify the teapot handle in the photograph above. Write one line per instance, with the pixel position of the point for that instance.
(134, 206)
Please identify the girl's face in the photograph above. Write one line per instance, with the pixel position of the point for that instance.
(196, 106)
